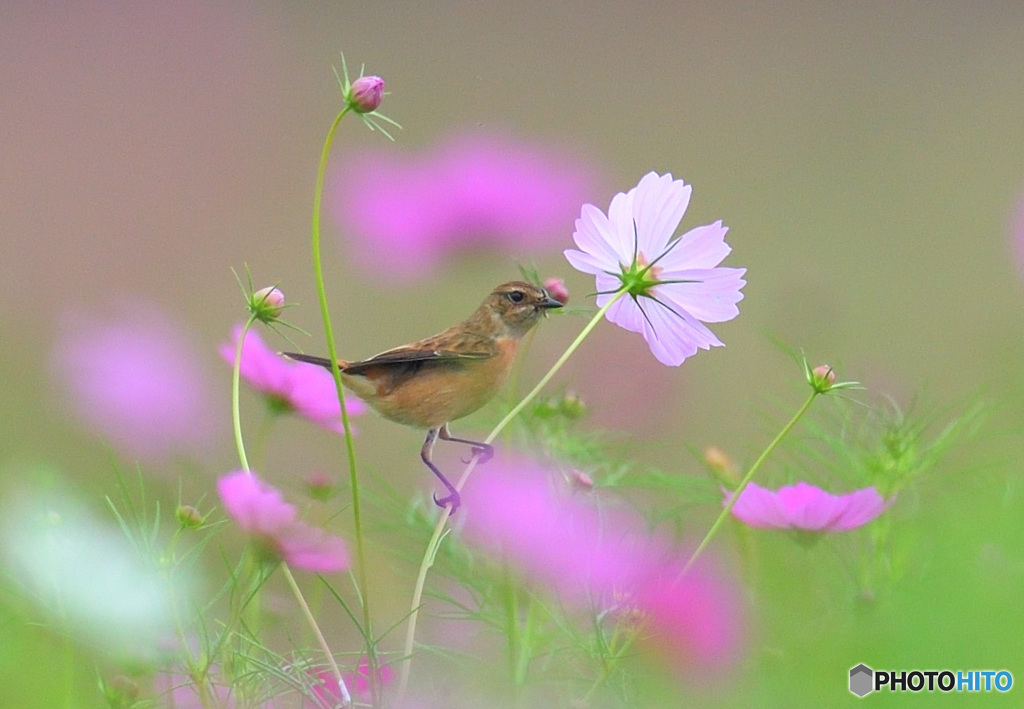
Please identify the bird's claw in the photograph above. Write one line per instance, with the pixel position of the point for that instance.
(482, 453)
(451, 501)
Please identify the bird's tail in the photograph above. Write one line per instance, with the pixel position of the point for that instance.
(310, 359)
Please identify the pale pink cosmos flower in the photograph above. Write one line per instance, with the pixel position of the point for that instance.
(674, 285)
(404, 215)
(559, 540)
(134, 376)
(260, 511)
(289, 386)
(807, 508)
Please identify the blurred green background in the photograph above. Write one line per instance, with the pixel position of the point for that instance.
(867, 157)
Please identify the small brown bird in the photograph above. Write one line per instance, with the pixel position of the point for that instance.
(429, 383)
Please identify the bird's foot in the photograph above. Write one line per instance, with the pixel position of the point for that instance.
(483, 452)
(451, 501)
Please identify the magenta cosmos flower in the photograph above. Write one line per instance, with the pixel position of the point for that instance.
(261, 512)
(135, 378)
(808, 508)
(557, 539)
(290, 386)
(673, 286)
(404, 215)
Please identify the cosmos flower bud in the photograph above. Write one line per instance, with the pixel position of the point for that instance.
(319, 485)
(557, 290)
(580, 481)
(366, 94)
(722, 466)
(189, 517)
(267, 303)
(822, 378)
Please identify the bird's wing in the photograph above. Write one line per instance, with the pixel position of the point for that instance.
(417, 356)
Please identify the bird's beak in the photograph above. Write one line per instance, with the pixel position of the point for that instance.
(549, 303)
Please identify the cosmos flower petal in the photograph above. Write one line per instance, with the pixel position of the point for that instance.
(701, 247)
(807, 508)
(659, 203)
(260, 511)
(623, 237)
(670, 337)
(585, 262)
(306, 390)
(312, 549)
(862, 506)
(256, 507)
(710, 297)
(594, 235)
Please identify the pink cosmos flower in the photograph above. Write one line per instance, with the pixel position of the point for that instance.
(674, 286)
(808, 508)
(135, 377)
(260, 511)
(561, 541)
(289, 386)
(404, 215)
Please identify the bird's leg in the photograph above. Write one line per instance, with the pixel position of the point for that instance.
(485, 451)
(452, 499)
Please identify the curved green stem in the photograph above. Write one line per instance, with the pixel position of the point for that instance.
(439, 528)
(236, 412)
(720, 520)
(332, 354)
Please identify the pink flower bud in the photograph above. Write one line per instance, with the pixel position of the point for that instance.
(557, 290)
(823, 377)
(269, 301)
(581, 481)
(189, 517)
(366, 94)
(722, 466)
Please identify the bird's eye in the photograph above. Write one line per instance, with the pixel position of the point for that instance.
(516, 296)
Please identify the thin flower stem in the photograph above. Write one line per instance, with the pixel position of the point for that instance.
(332, 353)
(236, 412)
(442, 520)
(346, 698)
(720, 520)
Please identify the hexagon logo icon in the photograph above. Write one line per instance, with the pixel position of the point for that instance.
(861, 680)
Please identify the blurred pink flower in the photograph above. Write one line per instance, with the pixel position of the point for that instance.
(808, 508)
(289, 386)
(674, 286)
(328, 693)
(135, 378)
(261, 512)
(562, 542)
(403, 215)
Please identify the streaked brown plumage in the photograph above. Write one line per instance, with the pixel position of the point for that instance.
(429, 383)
